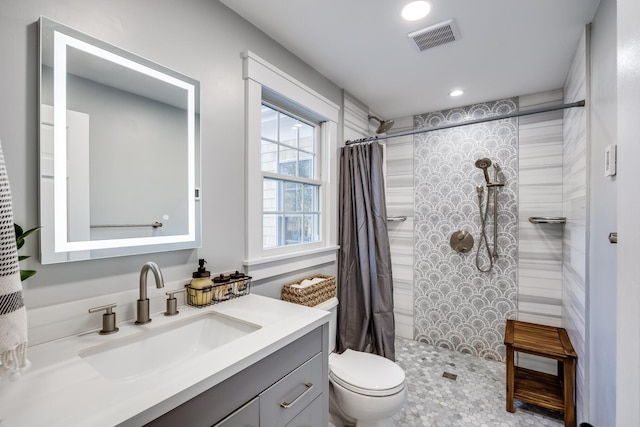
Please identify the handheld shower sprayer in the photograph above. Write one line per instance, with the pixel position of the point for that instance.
(484, 164)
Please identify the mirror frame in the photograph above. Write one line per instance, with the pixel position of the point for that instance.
(59, 37)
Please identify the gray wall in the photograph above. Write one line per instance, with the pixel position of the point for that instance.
(200, 38)
(601, 299)
(540, 194)
(400, 203)
(575, 198)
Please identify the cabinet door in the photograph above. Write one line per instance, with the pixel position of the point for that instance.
(311, 416)
(246, 416)
(281, 402)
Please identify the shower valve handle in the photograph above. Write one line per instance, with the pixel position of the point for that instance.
(461, 241)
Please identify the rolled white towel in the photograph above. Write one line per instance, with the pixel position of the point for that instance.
(307, 282)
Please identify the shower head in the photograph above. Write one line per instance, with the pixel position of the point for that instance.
(484, 164)
(384, 125)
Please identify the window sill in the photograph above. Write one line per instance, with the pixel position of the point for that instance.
(266, 267)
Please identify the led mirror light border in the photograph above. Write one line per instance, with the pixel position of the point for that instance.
(62, 244)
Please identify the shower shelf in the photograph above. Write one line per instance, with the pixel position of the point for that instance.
(547, 219)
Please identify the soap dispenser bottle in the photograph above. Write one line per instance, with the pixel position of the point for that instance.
(200, 289)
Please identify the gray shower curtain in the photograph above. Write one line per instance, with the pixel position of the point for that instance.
(365, 313)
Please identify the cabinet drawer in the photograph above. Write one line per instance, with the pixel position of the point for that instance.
(247, 416)
(281, 402)
(311, 416)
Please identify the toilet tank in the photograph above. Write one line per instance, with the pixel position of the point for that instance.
(331, 306)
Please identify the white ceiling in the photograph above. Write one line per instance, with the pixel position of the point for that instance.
(507, 47)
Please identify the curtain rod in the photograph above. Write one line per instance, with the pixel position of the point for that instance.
(473, 122)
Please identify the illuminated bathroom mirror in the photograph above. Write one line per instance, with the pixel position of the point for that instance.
(119, 151)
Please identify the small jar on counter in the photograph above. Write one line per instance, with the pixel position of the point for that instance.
(220, 287)
(239, 284)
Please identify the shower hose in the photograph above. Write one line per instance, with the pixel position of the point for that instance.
(483, 229)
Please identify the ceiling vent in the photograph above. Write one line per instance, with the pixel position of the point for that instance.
(436, 35)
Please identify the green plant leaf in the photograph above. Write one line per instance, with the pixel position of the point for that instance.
(28, 232)
(25, 274)
(20, 236)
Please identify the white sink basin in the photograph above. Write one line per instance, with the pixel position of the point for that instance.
(170, 345)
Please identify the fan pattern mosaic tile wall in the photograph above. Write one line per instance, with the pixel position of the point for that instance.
(455, 305)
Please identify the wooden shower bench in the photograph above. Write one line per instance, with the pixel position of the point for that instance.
(556, 392)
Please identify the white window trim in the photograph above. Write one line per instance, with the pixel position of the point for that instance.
(257, 74)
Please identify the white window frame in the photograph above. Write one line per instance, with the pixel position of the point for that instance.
(260, 262)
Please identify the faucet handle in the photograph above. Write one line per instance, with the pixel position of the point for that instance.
(172, 302)
(108, 308)
(108, 318)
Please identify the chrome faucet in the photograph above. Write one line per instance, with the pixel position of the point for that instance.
(143, 302)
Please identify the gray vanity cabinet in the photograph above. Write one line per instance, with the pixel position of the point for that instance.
(247, 416)
(289, 387)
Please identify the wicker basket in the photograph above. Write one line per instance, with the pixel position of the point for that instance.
(311, 295)
(218, 292)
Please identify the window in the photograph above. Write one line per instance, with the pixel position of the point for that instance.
(291, 163)
(290, 180)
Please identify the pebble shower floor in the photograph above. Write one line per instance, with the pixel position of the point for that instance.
(475, 398)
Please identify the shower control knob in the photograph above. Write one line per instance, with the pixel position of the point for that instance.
(461, 241)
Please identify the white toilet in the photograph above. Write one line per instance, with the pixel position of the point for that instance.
(365, 389)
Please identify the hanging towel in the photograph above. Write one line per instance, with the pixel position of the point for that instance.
(13, 314)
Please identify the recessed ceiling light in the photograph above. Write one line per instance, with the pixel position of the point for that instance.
(416, 10)
(456, 92)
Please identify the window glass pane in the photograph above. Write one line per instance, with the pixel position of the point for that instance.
(306, 165)
(270, 231)
(292, 197)
(290, 209)
(269, 156)
(310, 198)
(306, 138)
(289, 130)
(292, 229)
(269, 123)
(270, 195)
(288, 161)
(310, 228)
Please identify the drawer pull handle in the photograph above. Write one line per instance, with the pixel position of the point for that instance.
(287, 405)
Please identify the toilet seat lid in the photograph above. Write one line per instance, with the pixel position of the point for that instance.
(366, 373)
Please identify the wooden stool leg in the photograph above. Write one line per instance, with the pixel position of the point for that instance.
(561, 370)
(569, 386)
(510, 379)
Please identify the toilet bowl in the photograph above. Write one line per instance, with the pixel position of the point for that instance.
(365, 389)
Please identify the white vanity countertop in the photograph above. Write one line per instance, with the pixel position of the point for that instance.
(62, 389)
